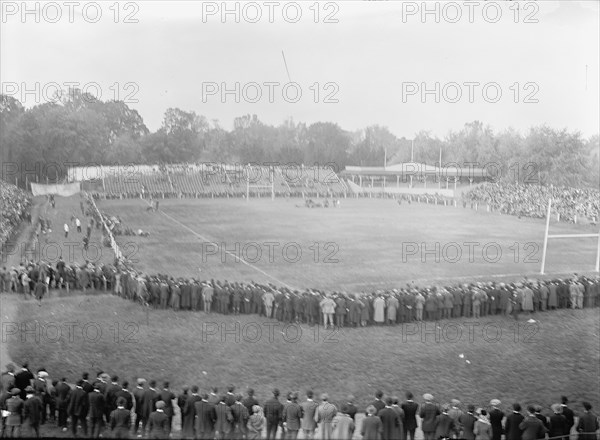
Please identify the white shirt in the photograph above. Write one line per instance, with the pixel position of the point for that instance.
(77, 222)
(66, 228)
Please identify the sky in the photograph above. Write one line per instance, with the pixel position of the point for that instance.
(409, 66)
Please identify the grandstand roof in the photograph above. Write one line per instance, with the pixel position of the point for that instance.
(415, 168)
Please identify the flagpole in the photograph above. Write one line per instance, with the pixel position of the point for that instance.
(546, 237)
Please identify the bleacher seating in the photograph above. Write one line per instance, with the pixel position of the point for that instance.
(191, 180)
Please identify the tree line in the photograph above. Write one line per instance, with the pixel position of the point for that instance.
(78, 128)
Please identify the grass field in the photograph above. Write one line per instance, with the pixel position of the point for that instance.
(364, 244)
(534, 364)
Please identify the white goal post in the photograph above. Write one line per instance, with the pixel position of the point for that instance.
(271, 186)
(547, 236)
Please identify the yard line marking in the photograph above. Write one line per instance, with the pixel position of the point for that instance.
(226, 251)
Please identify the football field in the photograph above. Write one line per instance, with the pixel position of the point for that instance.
(363, 244)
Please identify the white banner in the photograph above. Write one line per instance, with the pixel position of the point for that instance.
(64, 190)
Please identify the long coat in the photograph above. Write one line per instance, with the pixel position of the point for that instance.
(587, 426)
(428, 414)
(511, 428)
(324, 416)
(410, 415)
(342, 426)
(444, 424)
(309, 407)
(205, 418)
(558, 425)
(496, 417)
(552, 297)
(532, 428)
(527, 300)
(379, 306)
(392, 308)
(224, 421)
(188, 412)
(391, 424)
(467, 421)
(371, 428)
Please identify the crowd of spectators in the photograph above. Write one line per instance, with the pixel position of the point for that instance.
(109, 408)
(14, 208)
(571, 204)
(311, 306)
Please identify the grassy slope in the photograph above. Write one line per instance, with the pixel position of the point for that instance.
(561, 358)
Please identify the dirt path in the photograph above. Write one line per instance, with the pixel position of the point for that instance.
(8, 301)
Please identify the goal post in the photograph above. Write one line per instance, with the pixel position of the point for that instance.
(271, 186)
(547, 236)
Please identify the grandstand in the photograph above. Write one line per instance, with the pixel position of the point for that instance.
(213, 180)
(411, 178)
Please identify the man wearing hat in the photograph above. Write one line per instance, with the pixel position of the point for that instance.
(273, 410)
(588, 423)
(390, 420)
(308, 424)
(568, 413)
(126, 394)
(531, 427)
(205, 418)
(250, 400)
(224, 420)
(32, 411)
(292, 417)
(158, 422)
(324, 416)
(496, 416)
(429, 412)
(97, 411)
(349, 407)
(14, 406)
(120, 420)
(23, 379)
(558, 423)
(467, 423)
(455, 412)
(187, 404)
(78, 408)
(372, 427)
(410, 409)
(63, 395)
(513, 421)
(378, 403)
(138, 396)
(444, 424)
(167, 396)
(240, 418)
(540, 416)
(112, 390)
(149, 399)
